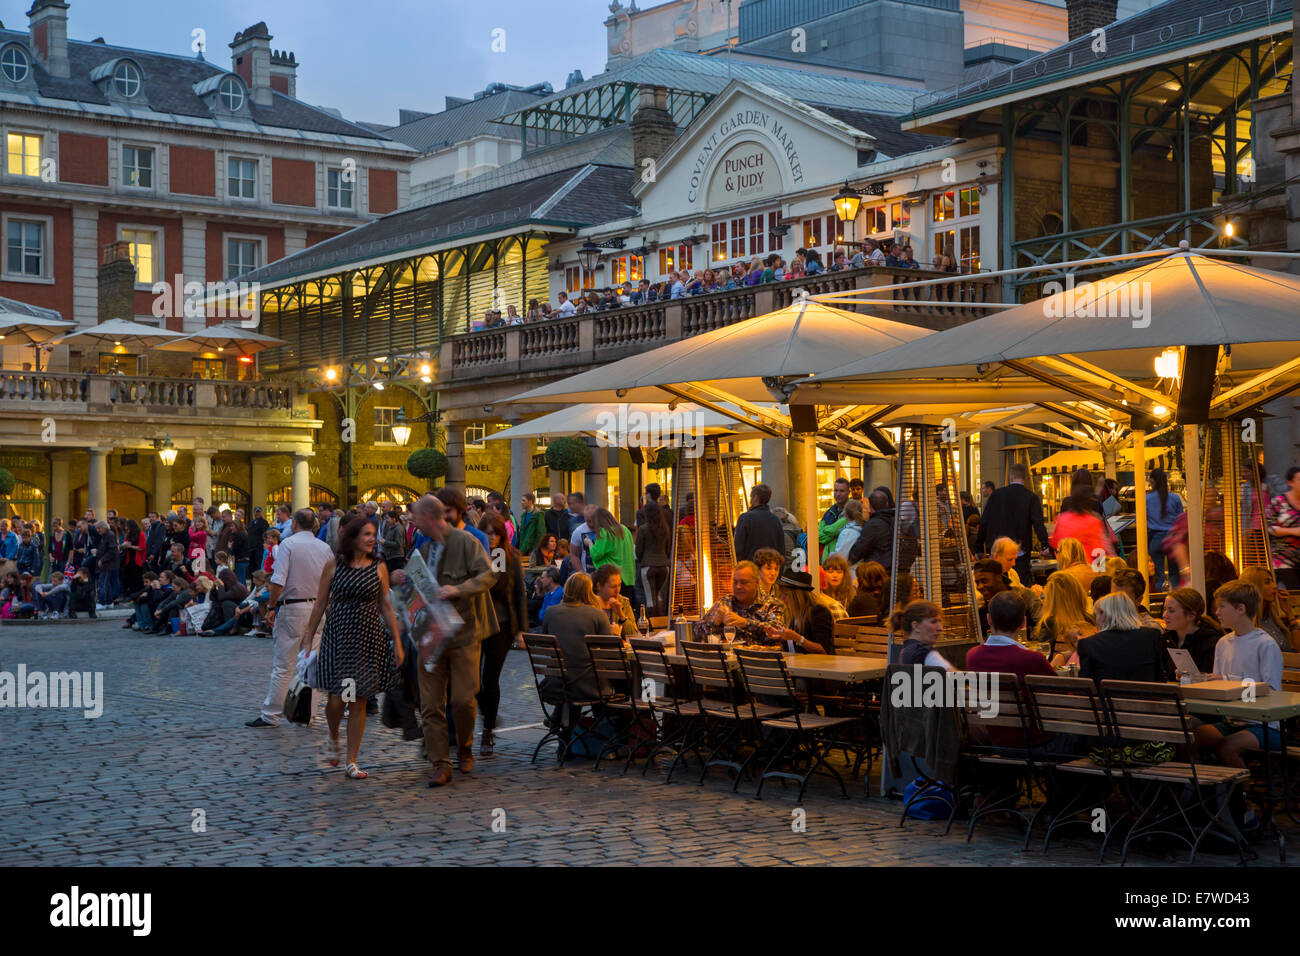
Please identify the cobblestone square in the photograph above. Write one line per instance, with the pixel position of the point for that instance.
(171, 749)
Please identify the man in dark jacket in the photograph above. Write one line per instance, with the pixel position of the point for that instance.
(108, 561)
(557, 518)
(155, 541)
(758, 527)
(1014, 512)
(257, 529)
(876, 542)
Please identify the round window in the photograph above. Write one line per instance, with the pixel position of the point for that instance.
(14, 64)
(126, 79)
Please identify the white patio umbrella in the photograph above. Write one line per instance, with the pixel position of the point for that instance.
(118, 332)
(614, 423)
(1185, 332)
(224, 339)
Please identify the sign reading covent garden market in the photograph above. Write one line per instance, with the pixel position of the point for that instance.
(748, 170)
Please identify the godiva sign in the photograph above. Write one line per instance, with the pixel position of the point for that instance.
(747, 171)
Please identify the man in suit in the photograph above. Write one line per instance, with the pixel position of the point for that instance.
(1014, 512)
(461, 568)
(155, 541)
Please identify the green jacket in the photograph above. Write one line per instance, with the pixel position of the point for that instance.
(607, 549)
(532, 526)
(828, 534)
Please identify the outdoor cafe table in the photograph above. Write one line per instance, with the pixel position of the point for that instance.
(1275, 705)
(847, 668)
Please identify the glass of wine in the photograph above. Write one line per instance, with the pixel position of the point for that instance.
(729, 634)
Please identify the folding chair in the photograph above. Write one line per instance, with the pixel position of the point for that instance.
(1002, 776)
(1187, 801)
(1070, 705)
(765, 674)
(728, 728)
(548, 664)
(685, 715)
(612, 667)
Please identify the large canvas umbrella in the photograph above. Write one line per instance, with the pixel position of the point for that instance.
(616, 424)
(224, 339)
(118, 332)
(746, 365)
(1185, 336)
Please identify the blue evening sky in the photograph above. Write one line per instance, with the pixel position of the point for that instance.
(367, 58)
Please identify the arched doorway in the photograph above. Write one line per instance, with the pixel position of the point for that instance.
(26, 502)
(398, 494)
(316, 495)
(127, 500)
(223, 496)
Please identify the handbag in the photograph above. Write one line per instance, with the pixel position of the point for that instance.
(297, 703)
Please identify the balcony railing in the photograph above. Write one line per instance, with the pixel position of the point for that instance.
(155, 395)
(562, 346)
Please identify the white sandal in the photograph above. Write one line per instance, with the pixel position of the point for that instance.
(353, 773)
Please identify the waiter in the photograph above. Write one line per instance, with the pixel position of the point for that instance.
(295, 582)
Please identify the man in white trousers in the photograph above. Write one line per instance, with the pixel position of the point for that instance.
(295, 583)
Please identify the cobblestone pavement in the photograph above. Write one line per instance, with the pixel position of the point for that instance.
(171, 744)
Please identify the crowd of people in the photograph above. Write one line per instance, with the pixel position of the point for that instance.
(685, 283)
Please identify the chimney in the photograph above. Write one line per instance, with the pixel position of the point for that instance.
(250, 57)
(1087, 15)
(116, 282)
(653, 129)
(48, 20)
(284, 73)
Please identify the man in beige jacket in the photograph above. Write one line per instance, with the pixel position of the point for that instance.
(461, 567)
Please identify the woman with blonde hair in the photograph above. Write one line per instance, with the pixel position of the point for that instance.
(809, 623)
(1274, 617)
(839, 584)
(1073, 560)
(1065, 617)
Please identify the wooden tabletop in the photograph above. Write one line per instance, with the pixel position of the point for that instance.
(1277, 705)
(839, 667)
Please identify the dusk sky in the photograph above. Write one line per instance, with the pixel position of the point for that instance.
(367, 59)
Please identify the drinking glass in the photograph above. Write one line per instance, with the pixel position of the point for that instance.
(729, 634)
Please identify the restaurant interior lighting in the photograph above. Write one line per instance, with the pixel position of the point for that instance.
(330, 375)
(1229, 229)
(379, 386)
(425, 369)
(401, 428)
(1167, 364)
(1160, 411)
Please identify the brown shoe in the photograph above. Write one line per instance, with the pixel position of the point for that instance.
(440, 776)
(466, 759)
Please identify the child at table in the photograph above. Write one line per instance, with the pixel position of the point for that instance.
(1246, 652)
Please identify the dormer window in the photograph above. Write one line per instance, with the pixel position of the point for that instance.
(231, 93)
(126, 79)
(15, 65)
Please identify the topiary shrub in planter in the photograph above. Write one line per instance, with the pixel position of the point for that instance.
(427, 463)
(568, 454)
(664, 458)
(6, 482)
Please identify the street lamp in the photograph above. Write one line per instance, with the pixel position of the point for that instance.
(401, 429)
(847, 202)
(166, 450)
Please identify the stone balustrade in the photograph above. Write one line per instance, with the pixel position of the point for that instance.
(154, 396)
(565, 346)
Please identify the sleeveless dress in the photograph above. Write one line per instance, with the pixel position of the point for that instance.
(355, 644)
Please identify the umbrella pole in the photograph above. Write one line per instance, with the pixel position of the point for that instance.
(1195, 506)
(808, 479)
(1140, 500)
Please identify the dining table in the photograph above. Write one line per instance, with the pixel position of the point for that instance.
(845, 668)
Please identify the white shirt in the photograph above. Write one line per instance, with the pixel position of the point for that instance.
(299, 562)
(877, 256)
(565, 308)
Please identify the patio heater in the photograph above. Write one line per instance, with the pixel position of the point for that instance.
(930, 534)
(703, 515)
(1234, 496)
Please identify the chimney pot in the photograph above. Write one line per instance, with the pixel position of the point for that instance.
(48, 22)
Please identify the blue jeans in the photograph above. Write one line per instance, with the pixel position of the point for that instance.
(104, 587)
(241, 572)
(1155, 540)
(144, 617)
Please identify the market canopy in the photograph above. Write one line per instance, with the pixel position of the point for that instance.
(745, 364)
(222, 339)
(614, 423)
(117, 332)
(23, 324)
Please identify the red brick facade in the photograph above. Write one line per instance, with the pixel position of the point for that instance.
(83, 159)
(193, 171)
(59, 295)
(383, 190)
(293, 182)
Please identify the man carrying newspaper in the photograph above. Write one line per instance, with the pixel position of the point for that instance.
(464, 575)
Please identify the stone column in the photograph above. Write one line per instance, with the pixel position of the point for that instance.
(258, 483)
(97, 493)
(775, 471)
(557, 482)
(162, 486)
(521, 470)
(596, 484)
(301, 482)
(203, 475)
(455, 455)
(60, 487)
(1140, 502)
